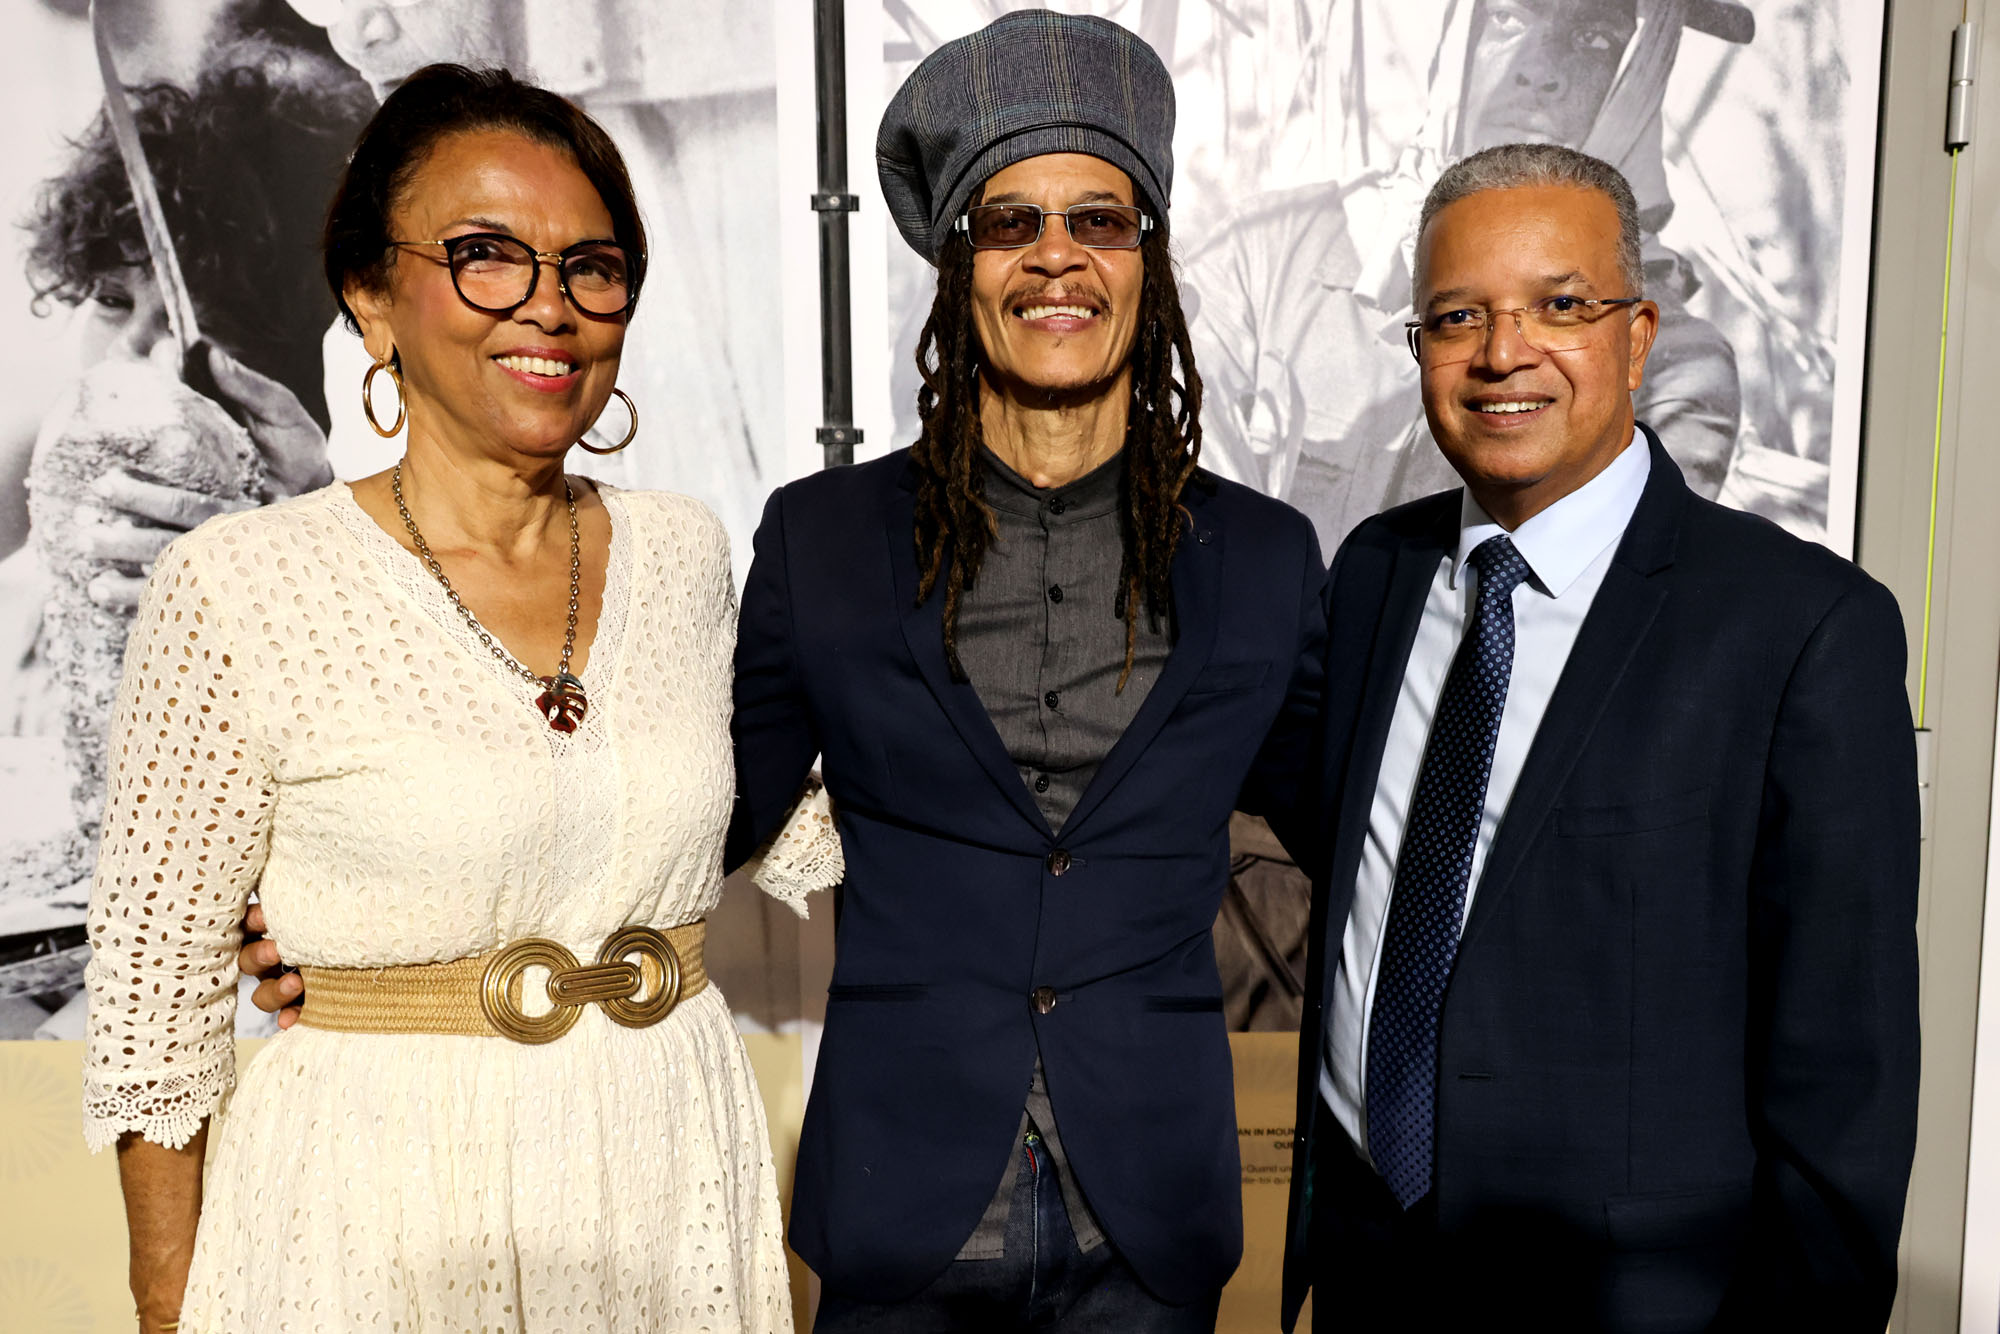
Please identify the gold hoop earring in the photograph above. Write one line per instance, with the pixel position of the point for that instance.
(368, 400)
(633, 430)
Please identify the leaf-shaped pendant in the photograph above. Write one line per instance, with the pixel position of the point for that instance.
(563, 703)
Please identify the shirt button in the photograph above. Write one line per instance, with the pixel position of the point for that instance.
(1058, 861)
(1041, 782)
(1052, 699)
(1058, 505)
(1055, 592)
(1044, 999)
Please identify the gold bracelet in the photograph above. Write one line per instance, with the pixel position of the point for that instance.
(167, 1328)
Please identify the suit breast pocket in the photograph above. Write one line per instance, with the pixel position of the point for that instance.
(1621, 867)
(1634, 880)
(1633, 817)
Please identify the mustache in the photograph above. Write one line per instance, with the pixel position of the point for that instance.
(1058, 294)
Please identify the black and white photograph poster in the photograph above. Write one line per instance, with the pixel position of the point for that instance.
(1307, 134)
(241, 114)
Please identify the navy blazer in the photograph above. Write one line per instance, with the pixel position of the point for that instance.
(1677, 1062)
(961, 904)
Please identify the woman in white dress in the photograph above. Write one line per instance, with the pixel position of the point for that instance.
(465, 704)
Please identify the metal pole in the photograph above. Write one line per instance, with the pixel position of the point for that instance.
(837, 433)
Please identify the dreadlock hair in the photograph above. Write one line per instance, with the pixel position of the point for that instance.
(954, 523)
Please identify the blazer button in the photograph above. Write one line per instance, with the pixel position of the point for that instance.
(1044, 999)
(1058, 862)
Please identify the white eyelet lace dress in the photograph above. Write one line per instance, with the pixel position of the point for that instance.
(305, 713)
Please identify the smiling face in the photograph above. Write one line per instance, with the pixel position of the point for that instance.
(1525, 427)
(1538, 70)
(526, 383)
(1056, 319)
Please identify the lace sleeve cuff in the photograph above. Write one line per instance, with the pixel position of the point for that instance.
(164, 1106)
(805, 855)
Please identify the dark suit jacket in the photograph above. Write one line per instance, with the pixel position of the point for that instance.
(960, 903)
(1677, 1062)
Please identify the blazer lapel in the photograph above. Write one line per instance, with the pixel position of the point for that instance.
(1197, 591)
(1620, 615)
(923, 631)
(1354, 773)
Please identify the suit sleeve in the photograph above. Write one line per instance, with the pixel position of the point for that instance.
(1282, 786)
(1833, 1043)
(772, 724)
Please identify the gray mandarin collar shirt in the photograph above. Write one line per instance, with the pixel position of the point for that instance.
(1040, 637)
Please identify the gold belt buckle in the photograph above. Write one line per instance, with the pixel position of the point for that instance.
(634, 994)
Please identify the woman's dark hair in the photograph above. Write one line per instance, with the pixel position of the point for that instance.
(431, 105)
(1162, 443)
(239, 161)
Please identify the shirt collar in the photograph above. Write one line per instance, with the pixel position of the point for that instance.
(1093, 494)
(1560, 543)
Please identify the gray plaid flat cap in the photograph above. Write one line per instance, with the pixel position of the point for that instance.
(1028, 83)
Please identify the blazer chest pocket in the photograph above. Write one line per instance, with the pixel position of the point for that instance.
(1223, 677)
(1637, 817)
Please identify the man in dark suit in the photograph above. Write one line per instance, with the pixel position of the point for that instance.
(1039, 655)
(1611, 1017)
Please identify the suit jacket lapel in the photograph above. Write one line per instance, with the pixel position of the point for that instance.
(1622, 612)
(923, 631)
(1197, 591)
(1354, 773)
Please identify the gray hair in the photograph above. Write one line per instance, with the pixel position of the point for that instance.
(1517, 166)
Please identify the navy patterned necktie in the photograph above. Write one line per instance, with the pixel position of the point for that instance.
(1427, 905)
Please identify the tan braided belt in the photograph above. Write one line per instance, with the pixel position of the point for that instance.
(639, 977)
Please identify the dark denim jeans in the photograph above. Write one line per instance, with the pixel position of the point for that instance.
(1043, 1283)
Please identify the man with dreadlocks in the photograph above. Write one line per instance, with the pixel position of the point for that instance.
(1042, 656)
